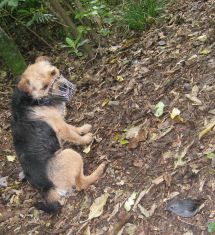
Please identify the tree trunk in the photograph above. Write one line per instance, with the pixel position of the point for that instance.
(10, 54)
(70, 27)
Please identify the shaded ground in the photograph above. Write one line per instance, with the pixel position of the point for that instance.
(117, 92)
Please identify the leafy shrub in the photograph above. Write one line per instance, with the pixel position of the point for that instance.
(140, 14)
(75, 44)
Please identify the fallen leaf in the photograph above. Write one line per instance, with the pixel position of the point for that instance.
(130, 229)
(207, 128)
(175, 112)
(195, 90)
(130, 86)
(3, 181)
(11, 158)
(87, 149)
(165, 132)
(87, 231)
(133, 132)
(117, 136)
(142, 136)
(205, 51)
(113, 103)
(193, 57)
(212, 111)
(153, 208)
(194, 99)
(130, 202)
(124, 142)
(202, 38)
(96, 208)
(105, 102)
(144, 211)
(168, 154)
(119, 78)
(158, 180)
(114, 48)
(180, 156)
(159, 109)
(141, 195)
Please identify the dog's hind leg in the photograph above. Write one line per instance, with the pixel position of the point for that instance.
(66, 170)
(83, 182)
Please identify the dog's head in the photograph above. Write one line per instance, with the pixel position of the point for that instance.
(42, 79)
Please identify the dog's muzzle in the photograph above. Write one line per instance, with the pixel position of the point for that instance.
(62, 88)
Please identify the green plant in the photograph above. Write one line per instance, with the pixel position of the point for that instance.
(211, 227)
(75, 44)
(140, 14)
(98, 13)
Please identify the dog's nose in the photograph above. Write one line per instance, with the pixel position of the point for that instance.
(63, 87)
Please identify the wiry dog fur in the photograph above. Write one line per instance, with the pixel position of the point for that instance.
(38, 127)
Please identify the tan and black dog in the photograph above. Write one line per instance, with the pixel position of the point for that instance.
(38, 126)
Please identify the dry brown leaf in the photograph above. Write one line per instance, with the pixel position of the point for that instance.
(180, 156)
(194, 99)
(207, 128)
(142, 136)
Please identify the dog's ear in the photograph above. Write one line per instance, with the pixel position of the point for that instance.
(24, 84)
(42, 58)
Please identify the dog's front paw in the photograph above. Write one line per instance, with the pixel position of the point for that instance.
(85, 129)
(88, 138)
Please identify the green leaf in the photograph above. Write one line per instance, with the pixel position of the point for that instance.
(210, 155)
(13, 3)
(2, 4)
(104, 32)
(211, 227)
(82, 43)
(124, 142)
(159, 108)
(70, 42)
(79, 53)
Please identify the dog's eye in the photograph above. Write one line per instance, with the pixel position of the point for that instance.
(53, 72)
(45, 87)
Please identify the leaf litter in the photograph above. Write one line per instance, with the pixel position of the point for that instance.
(180, 73)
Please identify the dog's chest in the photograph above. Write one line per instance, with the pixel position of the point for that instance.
(62, 109)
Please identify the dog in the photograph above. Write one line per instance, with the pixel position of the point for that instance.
(38, 129)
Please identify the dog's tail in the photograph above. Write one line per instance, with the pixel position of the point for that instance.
(51, 204)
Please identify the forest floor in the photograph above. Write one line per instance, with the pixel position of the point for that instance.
(161, 158)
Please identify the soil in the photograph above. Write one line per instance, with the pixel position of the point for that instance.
(173, 63)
